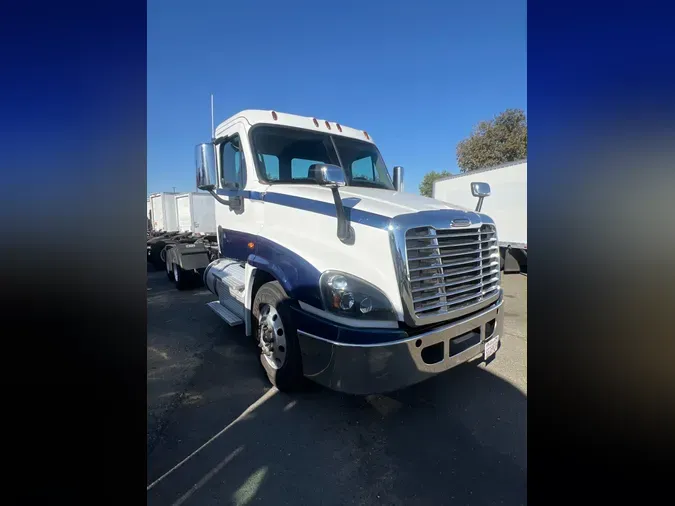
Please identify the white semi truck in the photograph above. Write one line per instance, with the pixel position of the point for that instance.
(337, 275)
(507, 206)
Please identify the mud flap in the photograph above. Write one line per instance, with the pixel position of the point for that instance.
(189, 256)
(514, 259)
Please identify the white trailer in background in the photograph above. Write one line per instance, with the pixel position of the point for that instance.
(507, 205)
(164, 216)
(196, 213)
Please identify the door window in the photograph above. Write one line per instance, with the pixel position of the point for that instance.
(232, 163)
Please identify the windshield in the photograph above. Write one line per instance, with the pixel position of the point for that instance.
(284, 155)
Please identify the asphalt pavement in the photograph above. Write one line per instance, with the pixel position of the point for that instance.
(219, 434)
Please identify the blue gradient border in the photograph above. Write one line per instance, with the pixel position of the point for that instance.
(72, 186)
(601, 103)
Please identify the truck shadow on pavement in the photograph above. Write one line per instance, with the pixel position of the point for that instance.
(457, 438)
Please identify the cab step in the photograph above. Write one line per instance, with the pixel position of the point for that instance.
(232, 280)
(230, 318)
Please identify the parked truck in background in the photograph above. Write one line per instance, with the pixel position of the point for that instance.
(163, 208)
(148, 215)
(196, 213)
(195, 226)
(335, 273)
(507, 206)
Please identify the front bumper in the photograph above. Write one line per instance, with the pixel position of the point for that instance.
(385, 366)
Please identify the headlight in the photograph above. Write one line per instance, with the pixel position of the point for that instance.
(350, 297)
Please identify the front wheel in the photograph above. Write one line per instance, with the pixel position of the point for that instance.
(276, 336)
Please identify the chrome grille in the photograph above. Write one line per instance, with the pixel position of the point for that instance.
(451, 269)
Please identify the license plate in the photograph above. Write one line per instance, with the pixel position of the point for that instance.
(491, 347)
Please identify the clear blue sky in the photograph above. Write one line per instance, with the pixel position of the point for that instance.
(416, 75)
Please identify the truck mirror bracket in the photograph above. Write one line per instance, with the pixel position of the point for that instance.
(231, 201)
(344, 230)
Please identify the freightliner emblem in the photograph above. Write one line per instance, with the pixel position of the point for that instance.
(460, 223)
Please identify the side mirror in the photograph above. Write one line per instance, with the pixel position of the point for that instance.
(398, 178)
(480, 190)
(334, 177)
(327, 175)
(205, 160)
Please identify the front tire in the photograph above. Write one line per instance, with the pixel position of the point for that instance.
(277, 338)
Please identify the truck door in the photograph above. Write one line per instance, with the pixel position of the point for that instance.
(239, 223)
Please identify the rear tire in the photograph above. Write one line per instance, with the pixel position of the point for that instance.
(271, 301)
(169, 271)
(155, 257)
(199, 277)
(181, 277)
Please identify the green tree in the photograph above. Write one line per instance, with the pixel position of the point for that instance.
(427, 184)
(500, 140)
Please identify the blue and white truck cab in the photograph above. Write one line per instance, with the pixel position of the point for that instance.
(337, 274)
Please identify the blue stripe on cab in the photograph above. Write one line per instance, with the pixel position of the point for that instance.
(341, 333)
(297, 276)
(234, 243)
(247, 194)
(313, 206)
(327, 209)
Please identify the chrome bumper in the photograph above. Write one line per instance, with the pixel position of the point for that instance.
(378, 368)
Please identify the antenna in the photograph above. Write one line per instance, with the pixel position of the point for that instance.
(213, 130)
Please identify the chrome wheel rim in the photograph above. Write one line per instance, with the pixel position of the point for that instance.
(272, 336)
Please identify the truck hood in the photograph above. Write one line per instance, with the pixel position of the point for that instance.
(387, 203)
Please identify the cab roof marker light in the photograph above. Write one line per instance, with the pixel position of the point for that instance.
(274, 115)
(316, 123)
(327, 125)
(366, 134)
